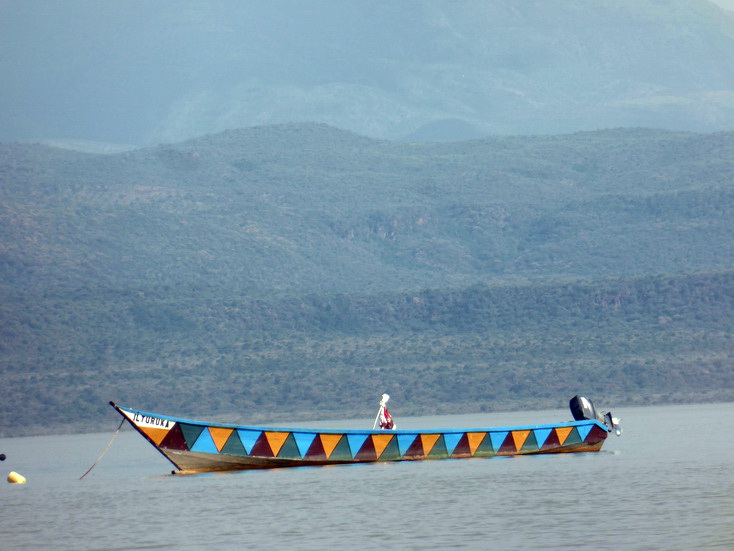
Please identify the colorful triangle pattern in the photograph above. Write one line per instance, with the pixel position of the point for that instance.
(306, 448)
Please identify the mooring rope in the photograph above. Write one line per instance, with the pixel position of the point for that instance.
(105, 450)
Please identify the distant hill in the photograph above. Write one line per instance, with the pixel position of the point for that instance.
(309, 208)
(145, 73)
(293, 270)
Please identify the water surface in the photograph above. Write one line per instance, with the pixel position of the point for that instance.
(667, 483)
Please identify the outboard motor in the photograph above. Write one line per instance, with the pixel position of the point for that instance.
(582, 409)
(612, 423)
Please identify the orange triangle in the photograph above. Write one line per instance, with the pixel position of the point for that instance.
(428, 441)
(381, 441)
(220, 436)
(276, 440)
(329, 442)
(563, 433)
(519, 436)
(156, 434)
(475, 438)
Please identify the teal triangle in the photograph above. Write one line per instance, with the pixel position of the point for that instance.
(204, 443)
(584, 431)
(541, 435)
(405, 441)
(190, 433)
(304, 441)
(438, 451)
(485, 448)
(355, 442)
(391, 451)
(233, 445)
(498, 437)
(290, 450)
(573, 438)
(342, 451)
(531, 443)
(451, 439)
(248, 437)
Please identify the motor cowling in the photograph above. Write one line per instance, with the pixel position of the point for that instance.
(582, 409)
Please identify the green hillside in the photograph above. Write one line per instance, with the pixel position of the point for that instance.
(310, 208)
(625, 341)
(299, 270)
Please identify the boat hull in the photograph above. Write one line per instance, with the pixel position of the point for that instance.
(194, 446)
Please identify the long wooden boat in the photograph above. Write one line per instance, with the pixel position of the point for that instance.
(195, 446)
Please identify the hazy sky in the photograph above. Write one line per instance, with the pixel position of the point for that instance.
(139, 72)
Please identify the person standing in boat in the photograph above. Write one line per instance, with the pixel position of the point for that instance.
(384, 419)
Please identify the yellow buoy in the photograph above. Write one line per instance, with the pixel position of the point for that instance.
(15, 478)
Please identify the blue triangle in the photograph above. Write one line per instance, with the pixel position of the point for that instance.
(451, 439)
(405, 441)
(248, 438)
(541, 435)
(355, 442)
(204, 443)
(304, 441)
(498, 438)
(584, 431)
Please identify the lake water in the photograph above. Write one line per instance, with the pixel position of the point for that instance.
(667, 483)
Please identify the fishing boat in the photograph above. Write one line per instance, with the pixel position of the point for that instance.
(196, 446)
